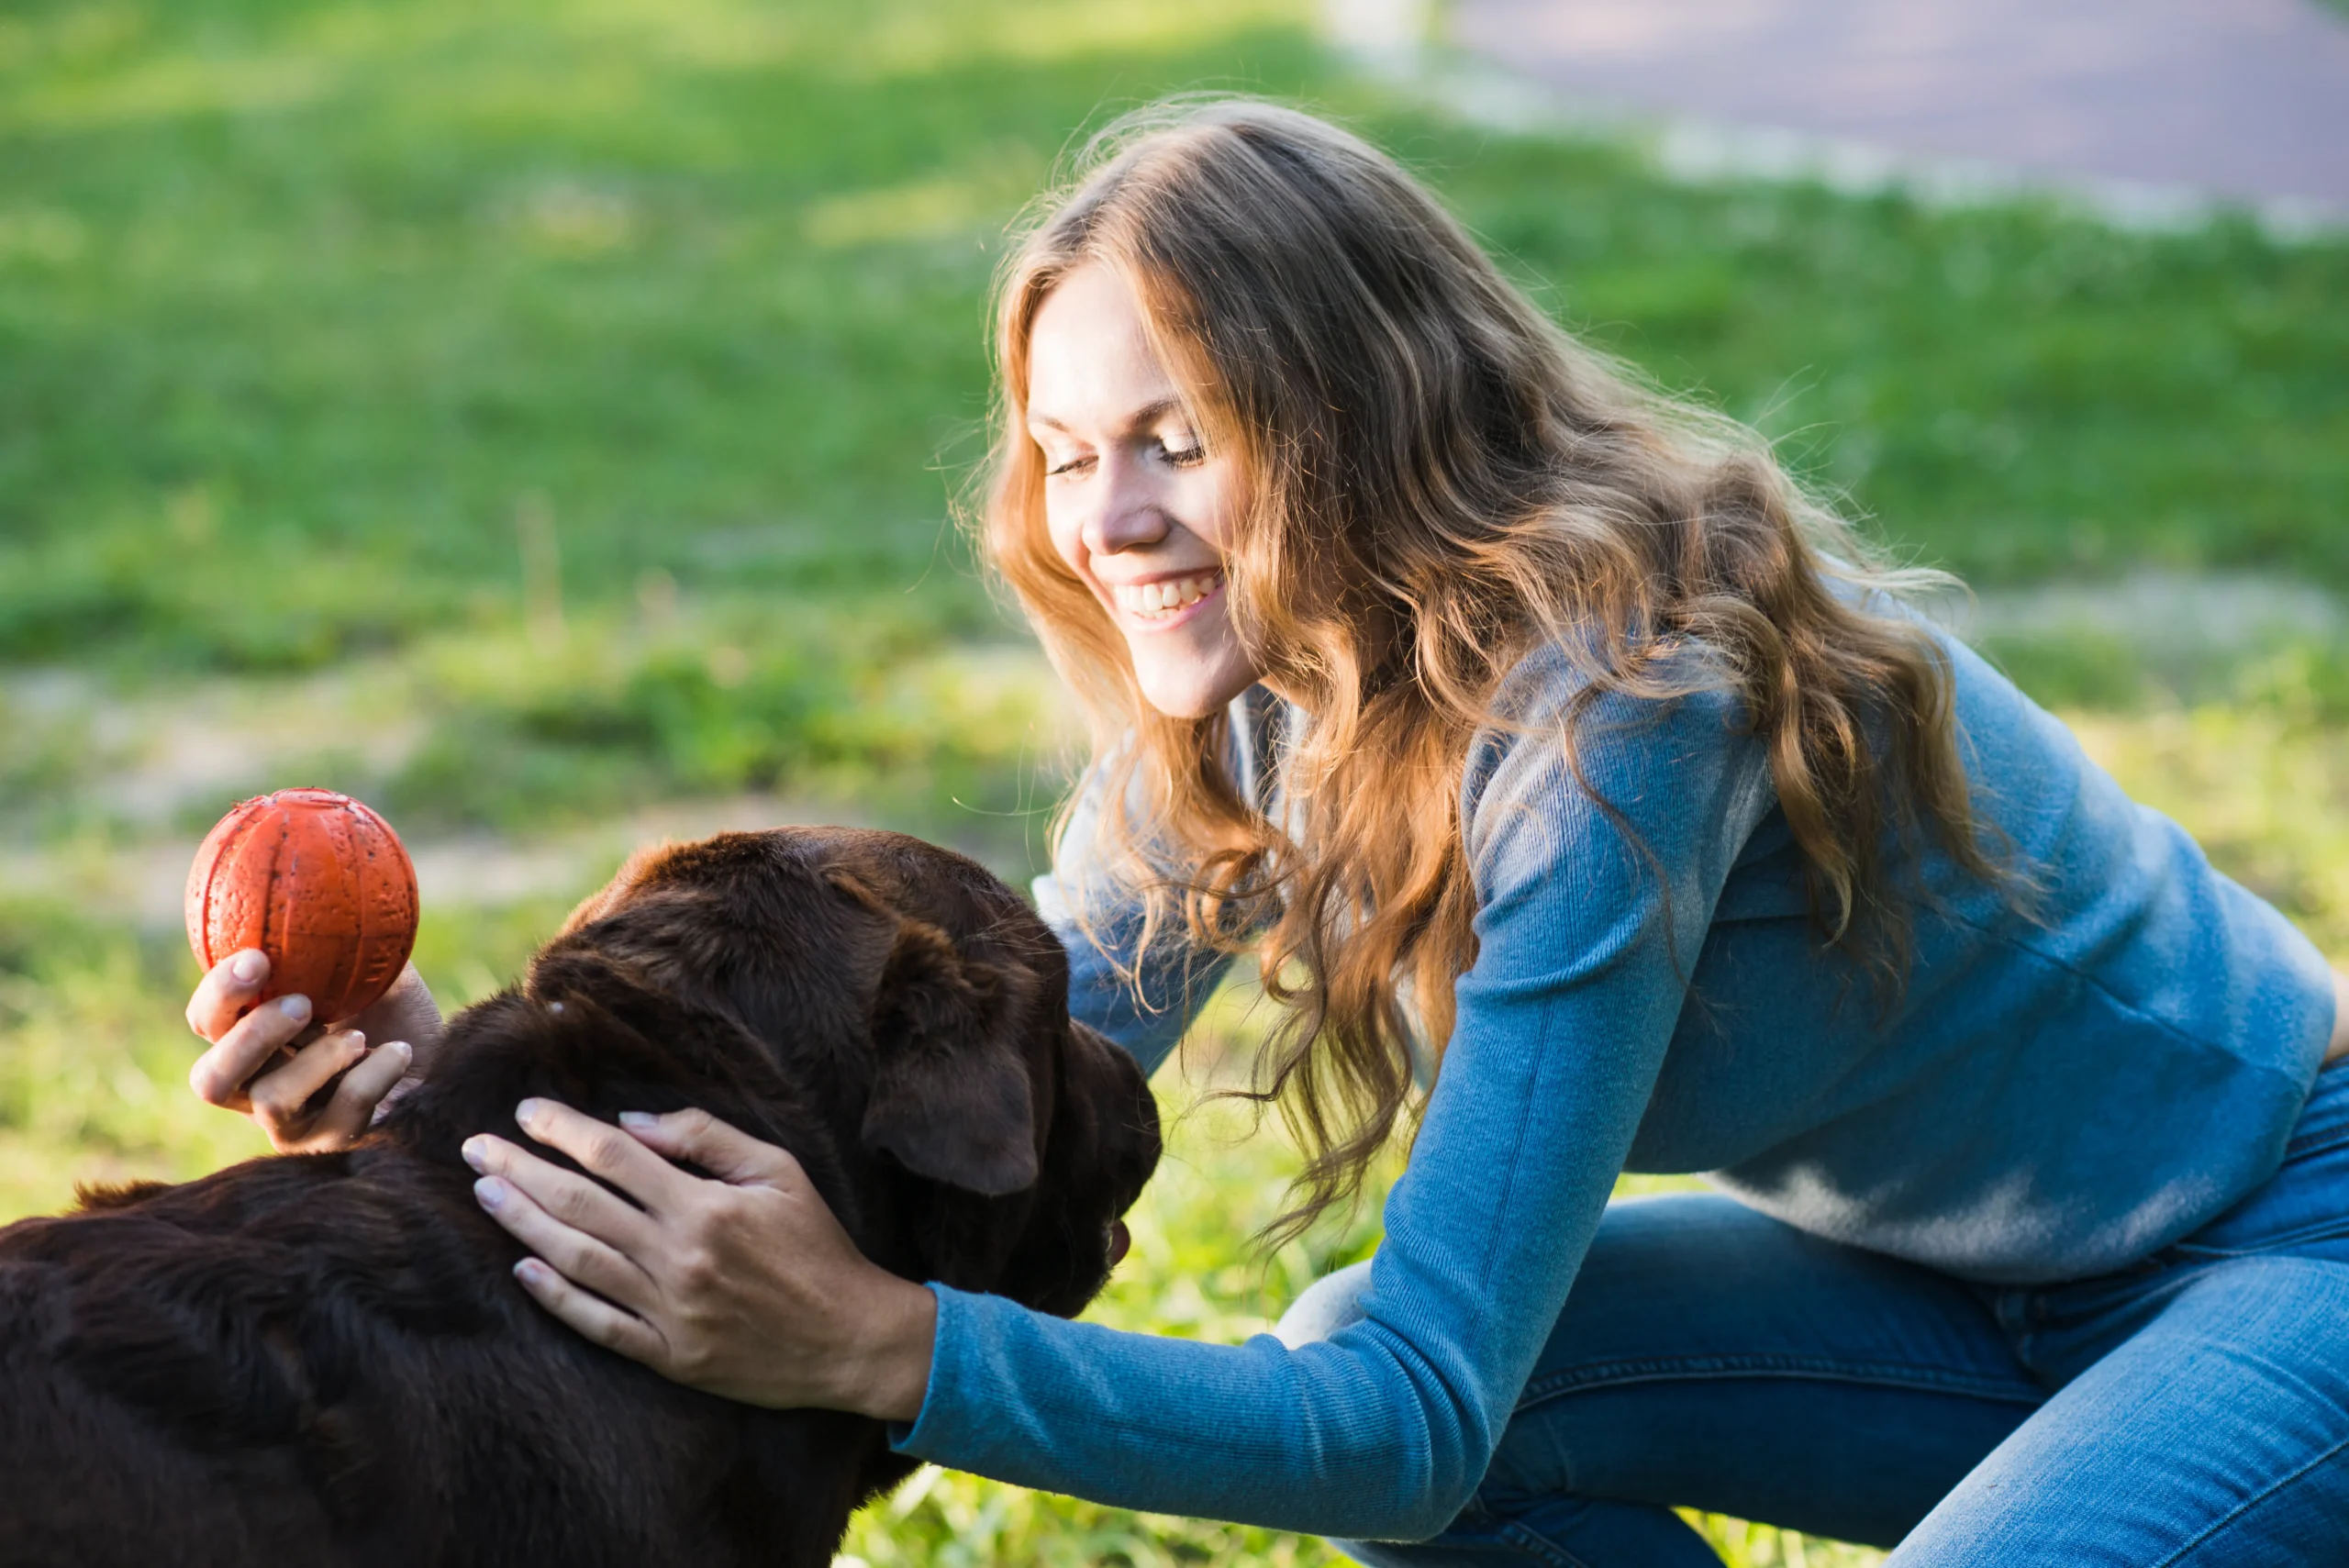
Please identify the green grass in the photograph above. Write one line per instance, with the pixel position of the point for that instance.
(303, 304)
(524, 413)
(698, 284)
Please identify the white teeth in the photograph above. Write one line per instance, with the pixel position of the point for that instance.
(1156, 601)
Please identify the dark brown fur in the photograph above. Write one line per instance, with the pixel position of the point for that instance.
(324, 1359)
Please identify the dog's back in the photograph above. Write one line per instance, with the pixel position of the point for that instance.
(322, 1359)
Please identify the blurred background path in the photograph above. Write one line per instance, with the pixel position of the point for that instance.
(2245, 100)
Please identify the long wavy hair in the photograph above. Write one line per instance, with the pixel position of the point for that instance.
(1438, 480)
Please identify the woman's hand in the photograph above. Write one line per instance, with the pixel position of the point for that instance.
(744, 1286)
(309, 1090)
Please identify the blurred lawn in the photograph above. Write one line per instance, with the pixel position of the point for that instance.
(303, 304)
(519, 413)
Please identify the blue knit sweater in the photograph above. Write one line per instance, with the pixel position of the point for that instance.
(2057, 1094)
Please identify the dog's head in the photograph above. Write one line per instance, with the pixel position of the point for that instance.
(887, 1010)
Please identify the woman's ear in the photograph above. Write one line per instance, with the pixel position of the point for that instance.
(950, 1097)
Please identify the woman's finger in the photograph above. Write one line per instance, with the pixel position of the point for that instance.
(600, 1147)
(593, 1318)
(575, 1200)
(227, 990)
(727, 1152)
(220, 1075)
(282, 1096)
(362, 1088)
(577, 1256)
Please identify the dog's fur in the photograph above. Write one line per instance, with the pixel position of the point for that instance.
(324, 1359)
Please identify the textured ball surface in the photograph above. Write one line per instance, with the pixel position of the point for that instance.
(318, 882)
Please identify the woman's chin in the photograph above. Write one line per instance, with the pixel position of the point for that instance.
(1191, 689)
(1184, 702)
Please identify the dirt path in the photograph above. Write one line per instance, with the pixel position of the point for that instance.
(144, 770)
(2245, 100)
(150, 761)
(142, 879)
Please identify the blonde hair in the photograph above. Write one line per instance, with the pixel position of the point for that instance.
(1439, 481)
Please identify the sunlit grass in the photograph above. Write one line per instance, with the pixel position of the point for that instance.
(93, 1067)
(2266, 795)
(730, 696)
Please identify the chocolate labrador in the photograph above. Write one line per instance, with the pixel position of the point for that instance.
(323, 1358)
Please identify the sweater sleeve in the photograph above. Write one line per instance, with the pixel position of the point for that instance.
(1383, 1431)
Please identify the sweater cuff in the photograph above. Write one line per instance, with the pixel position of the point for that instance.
(930, 1434)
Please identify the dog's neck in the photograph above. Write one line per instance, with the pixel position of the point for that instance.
(599, 1060)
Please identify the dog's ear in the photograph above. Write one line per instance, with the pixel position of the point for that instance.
(950, 1097)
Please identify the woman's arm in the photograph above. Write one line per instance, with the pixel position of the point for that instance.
(1384, 1431)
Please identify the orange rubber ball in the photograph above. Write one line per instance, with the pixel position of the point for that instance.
(318, 882)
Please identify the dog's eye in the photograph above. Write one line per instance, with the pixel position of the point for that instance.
(554, 1006)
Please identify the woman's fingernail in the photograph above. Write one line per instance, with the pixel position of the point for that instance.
(639, 1119)
(294, 1008)
(401, 1049)
(476, 1152)
(490, 1193)
(246, 967)
(355, 1040)
(530, 1270)
(526, 1112)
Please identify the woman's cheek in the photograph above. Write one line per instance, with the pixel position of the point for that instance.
(1065, 537)
(1215, 503)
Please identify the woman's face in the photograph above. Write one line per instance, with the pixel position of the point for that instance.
(1138, 508)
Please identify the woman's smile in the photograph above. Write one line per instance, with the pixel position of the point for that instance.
(1166, 602)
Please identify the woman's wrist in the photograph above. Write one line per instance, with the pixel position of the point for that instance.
(888, 1372)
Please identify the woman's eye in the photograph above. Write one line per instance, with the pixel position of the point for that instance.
(1185, 454)
(1072, 465)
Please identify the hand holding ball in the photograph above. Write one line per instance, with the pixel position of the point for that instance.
(318, 882)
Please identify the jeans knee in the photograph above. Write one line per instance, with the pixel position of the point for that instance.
(1329, 1304)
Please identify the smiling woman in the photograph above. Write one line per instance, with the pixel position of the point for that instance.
(1137, 506)
(1536, 733)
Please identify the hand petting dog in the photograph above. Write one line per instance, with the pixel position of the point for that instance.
(743, 1283)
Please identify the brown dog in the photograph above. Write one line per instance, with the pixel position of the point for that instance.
(324, 1359)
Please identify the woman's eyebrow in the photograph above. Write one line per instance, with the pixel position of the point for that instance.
(1147, 414)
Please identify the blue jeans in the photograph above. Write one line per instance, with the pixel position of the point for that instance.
(2193, 1408)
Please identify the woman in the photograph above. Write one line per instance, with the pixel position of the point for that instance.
(1544, 744)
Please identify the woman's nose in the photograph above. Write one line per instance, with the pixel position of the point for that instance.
(1129, 514)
